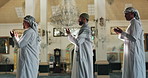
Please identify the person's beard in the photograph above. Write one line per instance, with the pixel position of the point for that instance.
(81, 22)
(23, 27)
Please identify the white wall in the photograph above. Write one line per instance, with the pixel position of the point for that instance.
(112, 40)
(4, 31)
(57, 42)
(62, 42)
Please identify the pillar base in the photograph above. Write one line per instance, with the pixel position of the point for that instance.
(102, 67)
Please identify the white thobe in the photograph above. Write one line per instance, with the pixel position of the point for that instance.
(134, 54)
(29, 54)
(83, 54)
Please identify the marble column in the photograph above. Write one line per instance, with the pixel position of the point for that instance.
(100, 13)
(30, 7)
(43, 26)
(101, 51)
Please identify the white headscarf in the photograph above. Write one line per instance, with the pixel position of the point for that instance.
(33, 25)
(133, 10)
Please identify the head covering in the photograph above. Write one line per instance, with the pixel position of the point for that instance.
(133, 10)
(31, 21)
(33, 24)
(85, 15)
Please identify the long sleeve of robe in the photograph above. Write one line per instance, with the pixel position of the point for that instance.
(28, 55)
(134, 54)
(83, 55)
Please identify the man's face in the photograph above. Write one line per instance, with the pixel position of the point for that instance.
(81, 21)
(129, 16)
(25, 25)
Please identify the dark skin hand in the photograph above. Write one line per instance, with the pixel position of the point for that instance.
(12, 33)
(68, 31)
(118, 30)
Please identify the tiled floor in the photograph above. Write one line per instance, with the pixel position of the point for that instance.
(119, 75)
(13, 76)
(111, 75)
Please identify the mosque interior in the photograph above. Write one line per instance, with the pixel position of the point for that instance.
(52, 17)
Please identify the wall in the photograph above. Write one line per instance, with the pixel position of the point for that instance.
(4, 31)
(55, 42)
(112, 40)
(62, 42)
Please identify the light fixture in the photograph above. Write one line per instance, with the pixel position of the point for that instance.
(66, 14)
(19, 12)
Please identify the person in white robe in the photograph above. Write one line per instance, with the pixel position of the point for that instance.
(134, 54)
(83, 54)
(29, 49)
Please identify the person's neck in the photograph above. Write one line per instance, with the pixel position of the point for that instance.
(27, 28)
(85, 24)
(132, 18)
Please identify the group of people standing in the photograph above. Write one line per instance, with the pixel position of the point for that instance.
(134, 54)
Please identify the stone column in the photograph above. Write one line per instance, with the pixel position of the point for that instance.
(43, 26)
(100, 12)
(101, 53)
(30, 7)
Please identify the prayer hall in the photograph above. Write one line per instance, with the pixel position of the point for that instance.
(73, 39)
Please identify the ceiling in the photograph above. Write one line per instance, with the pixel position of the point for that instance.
(8, 13)
(3, 2)
(114, 9)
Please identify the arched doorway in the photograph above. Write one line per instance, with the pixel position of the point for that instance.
(69, 55)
